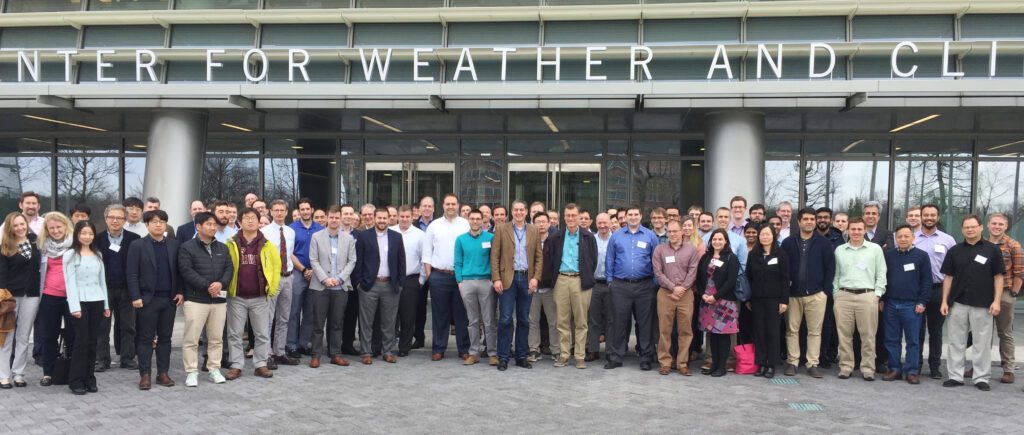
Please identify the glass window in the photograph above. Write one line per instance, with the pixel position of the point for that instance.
(304, 35)
(402, 70)
(281, 179)
(894, 27)
(483, 147)
(880, 67)
(945, 183)
(535, 147)
(301, 146)
(934, 148)
(39, 37)
(845, 186)
(48, 72)
(375, 35)
(813, 29)
(590, 32)
(555, 122)
(218, 36)
(350, 175)
(976, 65)
(794, 67)
(782, 148)
(124, 5)
(43, 5)
(991, 26)
(418, 147)
(122, 71)
(318, 70)
(617, 183)
(481, 181)
(192, 71)
(233, 146)
(306, 4)
(88, 145)
(656, 183)
(134, 176)
(409, 121)
(114, 36)
(485, 121)
(475, 3)
(847, 147)
(695, 31)
(781, 182)
(513, 34)
(229, 178)
(589, 2)
(1000, 189)
(23, 174)
(576, 70)
(216, 4)
(87, 179)
(695, 68)
(1008, 147)
(490, 70)
(845, 121)
(399, 3)
(26, 145)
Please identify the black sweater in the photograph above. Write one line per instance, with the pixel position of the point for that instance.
(769, 281)
(724, 277)
(20, 275)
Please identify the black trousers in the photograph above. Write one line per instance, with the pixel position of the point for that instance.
(829, 332)
(348, 332)
(155, 319)
(746, 321)
(83, 355)
(933, 321)
(697, 345)
(419, 334)
(632, 300)
(765, 325)
(408, 308)
(53, 310)
(122, 319)
(719, 351)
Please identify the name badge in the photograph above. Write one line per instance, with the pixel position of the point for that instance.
(115, 248)
(773, 261)
(486, 245)
(223, 294)
(334, 250)
(670, 259)
(981, 259)
(641, 245)
(908, 267)
(717, 263)
(940, 249)
(862, 266)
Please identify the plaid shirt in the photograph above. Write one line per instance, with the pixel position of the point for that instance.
(1013, 260)
(26, 249)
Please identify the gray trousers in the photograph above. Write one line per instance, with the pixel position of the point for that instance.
(599, 317)
(329, 312)
(632, 301)
(257, 311)
(280, 313)
(478, 297)
(546, 302)
(122, 318)
(381, 296)
(19, 342)
(964, 320)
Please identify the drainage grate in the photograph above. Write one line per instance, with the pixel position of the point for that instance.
(812, 407)
(783, 381)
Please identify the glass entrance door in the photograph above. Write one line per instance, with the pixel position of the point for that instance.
(397, 183)
(556, 184)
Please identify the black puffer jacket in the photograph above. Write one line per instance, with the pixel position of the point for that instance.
(199, 269)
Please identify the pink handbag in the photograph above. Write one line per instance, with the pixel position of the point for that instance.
(745, 359)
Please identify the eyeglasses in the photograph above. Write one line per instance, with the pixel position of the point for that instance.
(115, 218)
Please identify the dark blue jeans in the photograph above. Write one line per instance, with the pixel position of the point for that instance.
(514, 302)
(446, 305)
(901, 322)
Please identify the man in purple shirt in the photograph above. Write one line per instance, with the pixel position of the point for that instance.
(737, 210)
(930, 239)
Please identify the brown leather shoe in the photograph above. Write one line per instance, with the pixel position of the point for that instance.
(436, 357)
(493, 360)
(367, 359)
(339, 361)
(913, 379)
(664, 370)
(592, 356)
(463, 356)
(145, 382)
(314, 363)
(163, 379)
(470, 360)
(1007, 378)
(233, 374)
(892, 376)
(263, 372)
(389, 358)
(684, 370)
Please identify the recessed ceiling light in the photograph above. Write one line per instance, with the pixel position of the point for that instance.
(551, 124)
(911, 124)
(695, 165)
(296, 147)
(235, 127)
(1006, 145)
(852, 144)
(70, 124)
(382, 124)
(139, 146)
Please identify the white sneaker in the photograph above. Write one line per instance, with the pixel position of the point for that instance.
(192, 380)
(216, 377)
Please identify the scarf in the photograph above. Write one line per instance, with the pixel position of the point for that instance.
(55, 248)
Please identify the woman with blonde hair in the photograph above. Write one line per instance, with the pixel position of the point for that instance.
(19, 274)
(54, 241)
(689, 227)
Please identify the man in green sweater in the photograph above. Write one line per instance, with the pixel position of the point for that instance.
(473, 273)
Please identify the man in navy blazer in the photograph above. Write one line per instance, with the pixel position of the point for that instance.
(187, 230)
(155, 289)
(379, 273)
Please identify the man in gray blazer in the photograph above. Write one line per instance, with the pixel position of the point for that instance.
(332, 255)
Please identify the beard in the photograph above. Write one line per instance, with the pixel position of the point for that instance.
(222, 222)
(822, 226)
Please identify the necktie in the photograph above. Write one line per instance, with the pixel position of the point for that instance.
(284, 252)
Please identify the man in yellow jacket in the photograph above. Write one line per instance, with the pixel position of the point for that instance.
(257, 272)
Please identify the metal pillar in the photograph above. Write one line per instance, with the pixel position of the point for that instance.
(174, 160)
(734, 157)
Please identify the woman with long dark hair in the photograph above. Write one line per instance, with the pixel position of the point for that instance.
(19, 274)
(86, 285)
(719, 312)
(768, 271)
(54, 241)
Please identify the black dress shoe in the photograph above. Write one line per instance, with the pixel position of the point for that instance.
(612, 365)
(645, 366)
(6, 386)
(717, 373)
(951, 383)
(825, 364)
(983, 386)
(769, 373)
(294, 354)
(349, 350)
(92, 389)
(46, 381)
(935, 374)
(100, 368)
(760, 371)
(524, 363)
(271, 364)
(306, 350)
(502, 366)
(417, 344)
(405, 353)
(78, 391)
(129, 364)
(706, 371)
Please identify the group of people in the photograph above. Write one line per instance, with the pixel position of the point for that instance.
(834, 289)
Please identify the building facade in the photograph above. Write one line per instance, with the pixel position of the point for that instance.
(599, 102)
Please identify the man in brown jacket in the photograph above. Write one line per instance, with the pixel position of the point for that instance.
(516, 262)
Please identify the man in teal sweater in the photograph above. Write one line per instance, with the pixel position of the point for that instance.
(473, 273)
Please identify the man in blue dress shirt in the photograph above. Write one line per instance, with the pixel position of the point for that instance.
(630, 277)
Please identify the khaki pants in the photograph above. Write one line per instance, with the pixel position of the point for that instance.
(681, 312)
(810, 309)
(572, 304)
(197, 317)
(858, 311)
(1004, 328)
